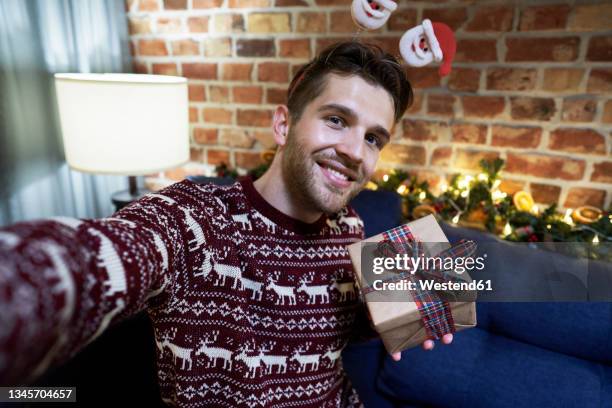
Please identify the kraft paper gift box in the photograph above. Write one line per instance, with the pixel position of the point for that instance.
(398, 321)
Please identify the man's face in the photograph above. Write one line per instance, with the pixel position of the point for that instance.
(331, 152)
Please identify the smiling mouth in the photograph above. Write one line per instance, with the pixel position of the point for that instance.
(336, 173)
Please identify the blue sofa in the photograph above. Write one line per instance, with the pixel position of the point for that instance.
(521, 354)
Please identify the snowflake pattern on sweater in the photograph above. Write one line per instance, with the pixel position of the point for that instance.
(250, 307)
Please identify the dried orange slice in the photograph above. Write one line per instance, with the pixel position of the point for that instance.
(586, 214)
(523, 201)
(267, 155)
(477, 215)
(422, 210)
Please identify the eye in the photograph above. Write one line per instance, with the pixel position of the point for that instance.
(336, 121)
(373, 139)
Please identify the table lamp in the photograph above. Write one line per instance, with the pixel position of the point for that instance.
(123, 124)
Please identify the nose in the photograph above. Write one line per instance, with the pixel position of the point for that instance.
(351, 147)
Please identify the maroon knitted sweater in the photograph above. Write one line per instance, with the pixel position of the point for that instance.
(250, 307)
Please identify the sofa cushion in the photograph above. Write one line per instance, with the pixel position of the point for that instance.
(380, 210)
(579, 329)
(481, 369)
(362, 362)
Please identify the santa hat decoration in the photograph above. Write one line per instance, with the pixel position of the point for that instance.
(372, 14)
(441, 39)
(429, 42)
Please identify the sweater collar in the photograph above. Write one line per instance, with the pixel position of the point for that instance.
(258, 202)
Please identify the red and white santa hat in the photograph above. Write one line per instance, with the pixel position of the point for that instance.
(441, 39)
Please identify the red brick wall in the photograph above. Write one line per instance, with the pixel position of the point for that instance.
(532, 84)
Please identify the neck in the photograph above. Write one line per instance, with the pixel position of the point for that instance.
(273, 189)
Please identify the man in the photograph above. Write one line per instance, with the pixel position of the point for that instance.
(249, 286)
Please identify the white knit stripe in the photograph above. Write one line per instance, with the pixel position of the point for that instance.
(8, 240)
(66, 285)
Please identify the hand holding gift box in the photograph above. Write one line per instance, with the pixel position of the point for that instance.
(406, 318)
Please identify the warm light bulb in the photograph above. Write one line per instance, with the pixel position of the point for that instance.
(464, 193)
(401, 189)
(443, 186)
(386, 178)
(567, 218)
(462, 183)
(497, 195)
(422, 195)
(496, 183)
(596, 239)
(507, 229)
(535, 209)
(456, 218)
(483, 177)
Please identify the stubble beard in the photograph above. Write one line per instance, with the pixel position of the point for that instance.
(306, 183)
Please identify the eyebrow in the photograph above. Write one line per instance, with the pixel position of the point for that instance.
(345, 110)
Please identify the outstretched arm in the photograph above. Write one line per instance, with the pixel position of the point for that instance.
(63, 281)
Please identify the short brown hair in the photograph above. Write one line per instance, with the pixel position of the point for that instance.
(368, 61)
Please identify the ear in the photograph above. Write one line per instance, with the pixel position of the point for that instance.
(280, 125)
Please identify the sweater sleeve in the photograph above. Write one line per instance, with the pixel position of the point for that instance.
(63, 281)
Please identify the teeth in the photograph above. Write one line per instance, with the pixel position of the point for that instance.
(337, 174)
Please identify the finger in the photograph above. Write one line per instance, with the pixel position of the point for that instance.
(428, 345)
(447, 338)
(396, 356)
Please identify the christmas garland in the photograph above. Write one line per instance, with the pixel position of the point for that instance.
(477, 202)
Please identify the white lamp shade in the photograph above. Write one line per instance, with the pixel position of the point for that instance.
(126, 124)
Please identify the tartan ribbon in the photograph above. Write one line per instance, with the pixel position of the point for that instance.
(435, 313)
